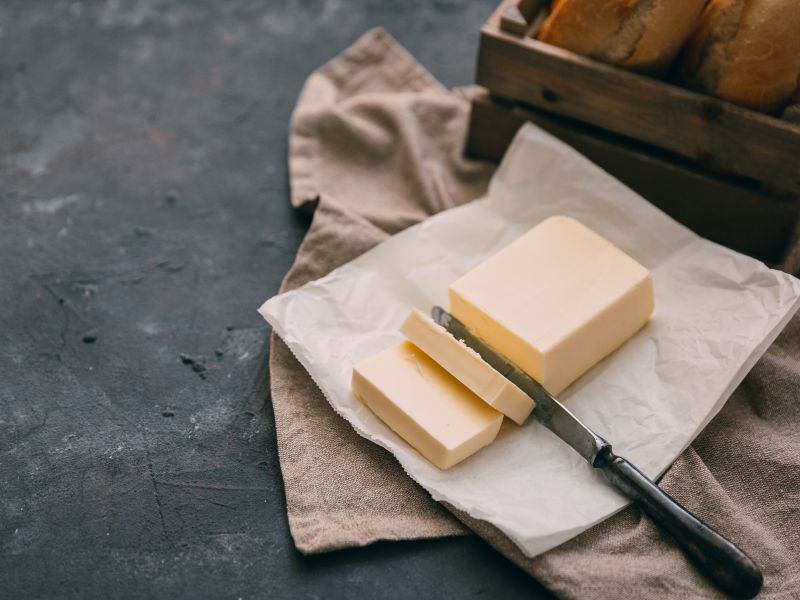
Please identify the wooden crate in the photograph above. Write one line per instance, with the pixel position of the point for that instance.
(729, 173)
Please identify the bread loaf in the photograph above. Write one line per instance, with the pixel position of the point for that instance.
(746, 51)
(645, 35)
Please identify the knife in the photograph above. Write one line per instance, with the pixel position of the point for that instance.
(722, 561)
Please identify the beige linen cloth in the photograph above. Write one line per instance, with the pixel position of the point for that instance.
(375, 146)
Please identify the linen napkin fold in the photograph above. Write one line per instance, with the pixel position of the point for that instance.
(375, 146)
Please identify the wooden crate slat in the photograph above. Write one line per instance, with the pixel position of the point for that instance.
(516, 15)
(735, 215)
(513, 21)
(716, 134)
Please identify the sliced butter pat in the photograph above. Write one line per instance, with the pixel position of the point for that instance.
(466, 365)
(555, 301)
(425, 405)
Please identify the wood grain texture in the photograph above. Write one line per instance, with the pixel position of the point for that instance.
(729, 211)
(715, 134)
(513, 21)
(518, 16)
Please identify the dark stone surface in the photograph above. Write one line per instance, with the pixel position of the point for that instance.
(143, 218)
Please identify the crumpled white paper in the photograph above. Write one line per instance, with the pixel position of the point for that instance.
(716, 313)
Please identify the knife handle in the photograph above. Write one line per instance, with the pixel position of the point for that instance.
(722, 561)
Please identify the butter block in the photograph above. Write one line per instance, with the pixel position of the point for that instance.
(425, 405)
(466, 365)
(555, 301)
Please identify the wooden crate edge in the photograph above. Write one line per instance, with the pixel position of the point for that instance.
(716, 134)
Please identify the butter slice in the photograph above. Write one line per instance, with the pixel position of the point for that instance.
(467, 366)
(555, 301)
(425, 405)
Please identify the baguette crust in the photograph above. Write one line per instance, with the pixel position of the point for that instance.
(668, 25)
(641, 34)
(584, 27)
(747, 52)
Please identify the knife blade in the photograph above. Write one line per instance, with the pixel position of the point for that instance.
(716, 556)
(549, 411)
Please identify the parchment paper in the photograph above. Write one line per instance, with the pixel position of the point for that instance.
(716, 312)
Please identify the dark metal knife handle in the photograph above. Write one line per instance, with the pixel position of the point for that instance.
(731, 569)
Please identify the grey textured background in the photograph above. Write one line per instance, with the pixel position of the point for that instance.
(143, 218)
